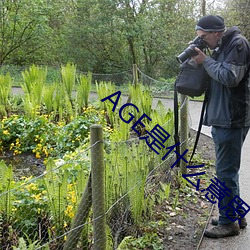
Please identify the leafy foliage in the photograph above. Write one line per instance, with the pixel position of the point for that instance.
(83, 90)
(43, 137)
(5, 90)
(102, 36)
(34, 81)
(6, 184)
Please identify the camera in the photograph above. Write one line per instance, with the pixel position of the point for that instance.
(190, 51)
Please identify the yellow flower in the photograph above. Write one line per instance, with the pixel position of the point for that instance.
(73, 199)
(69, 211)
(38, 156)
(6, 132)
(14, 209)
(31, 186)
(45, 151)
(26, 178)
(16, 152)
(37, 196)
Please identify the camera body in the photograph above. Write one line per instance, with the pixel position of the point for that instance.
(190, 51)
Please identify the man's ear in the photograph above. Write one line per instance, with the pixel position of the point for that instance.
(219, 34)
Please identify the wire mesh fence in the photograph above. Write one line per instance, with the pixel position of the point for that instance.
(160, 87)
(46, 211)
(56, 209)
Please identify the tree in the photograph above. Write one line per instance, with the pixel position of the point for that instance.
(95, 40)
(21, 21)
(237, 13)
(109, 36)
(102, 36)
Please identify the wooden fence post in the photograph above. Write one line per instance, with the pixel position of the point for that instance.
(183, 130)
(80, 218)
(135, 74)
(98, 195)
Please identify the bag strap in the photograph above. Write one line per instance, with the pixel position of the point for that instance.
(176, 123)
(201, 116)
(199, 127)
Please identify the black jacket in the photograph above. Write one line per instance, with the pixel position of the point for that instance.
(229, 90)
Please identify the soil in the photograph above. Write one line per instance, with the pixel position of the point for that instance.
(25, 164)
(186, 226)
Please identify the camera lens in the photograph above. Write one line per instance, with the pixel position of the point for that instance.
(190, 50)
(187, 53)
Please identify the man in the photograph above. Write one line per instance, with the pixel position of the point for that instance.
(227, 111)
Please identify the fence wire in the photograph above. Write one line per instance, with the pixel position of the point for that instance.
(120, 212)
(158, 87)
(39, 224)
(39, 213)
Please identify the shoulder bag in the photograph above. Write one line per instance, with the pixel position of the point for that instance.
(192, 79)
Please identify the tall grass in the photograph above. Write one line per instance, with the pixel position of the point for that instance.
(5, 90)
(105, 89)
(48, 98)
(83, 90)
(68, 74)
(33, 86)
(6, 197)
(142, 98)
(126, 172)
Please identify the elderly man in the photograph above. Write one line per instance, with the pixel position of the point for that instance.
(228, 112)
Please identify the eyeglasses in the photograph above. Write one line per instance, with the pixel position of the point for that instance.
(203, 36)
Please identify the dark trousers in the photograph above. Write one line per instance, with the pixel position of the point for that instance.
(228, 145)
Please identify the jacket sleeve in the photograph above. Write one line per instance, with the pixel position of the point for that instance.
(234, 66)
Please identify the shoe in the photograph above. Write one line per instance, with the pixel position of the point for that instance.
(242, 222)
(221, 231)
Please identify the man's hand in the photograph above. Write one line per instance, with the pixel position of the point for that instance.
(200, 58)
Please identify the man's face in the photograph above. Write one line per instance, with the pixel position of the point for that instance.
(211, 38)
